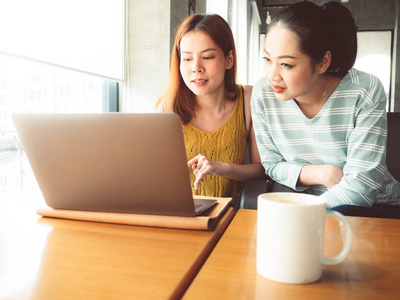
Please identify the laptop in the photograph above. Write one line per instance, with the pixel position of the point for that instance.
(110, 162)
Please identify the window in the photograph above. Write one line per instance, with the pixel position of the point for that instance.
(83, 35)
(374, 56)
(63, 56)
(218, 7)
(29, 87)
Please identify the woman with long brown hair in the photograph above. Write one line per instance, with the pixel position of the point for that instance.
(214, 110)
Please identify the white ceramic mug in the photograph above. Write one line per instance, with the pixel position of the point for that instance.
(290, 236)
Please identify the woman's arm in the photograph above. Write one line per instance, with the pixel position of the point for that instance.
(364, 171)
(254, 155)
(327, 175)
(202, 165)
(247, 89)
(365, 168)
(263, 109)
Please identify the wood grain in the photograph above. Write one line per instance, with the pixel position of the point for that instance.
(45, 258)
(371, 271)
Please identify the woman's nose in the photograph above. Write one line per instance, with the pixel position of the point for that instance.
(272, 73)
(197, 68)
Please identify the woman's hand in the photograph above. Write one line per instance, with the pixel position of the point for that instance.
(330, 175)
(202, 166)
(327, 175)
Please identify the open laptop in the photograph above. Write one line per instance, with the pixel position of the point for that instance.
(111, 162)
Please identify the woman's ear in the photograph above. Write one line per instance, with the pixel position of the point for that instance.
(229, 60)
(325, 63)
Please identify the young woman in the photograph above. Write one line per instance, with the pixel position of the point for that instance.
(320, 124)
(215, 111)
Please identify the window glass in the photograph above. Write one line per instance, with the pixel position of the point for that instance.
(29, 87)
(374, 56)
(86, 35)
(219, 7)
(64, 56)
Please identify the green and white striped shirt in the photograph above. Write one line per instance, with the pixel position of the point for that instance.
(349, 132)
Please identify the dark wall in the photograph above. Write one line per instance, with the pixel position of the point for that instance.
(369, 15)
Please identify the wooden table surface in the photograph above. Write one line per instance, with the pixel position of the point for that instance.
(44, 258)
(371, 271)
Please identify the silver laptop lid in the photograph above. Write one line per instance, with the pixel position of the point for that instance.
(115, 162)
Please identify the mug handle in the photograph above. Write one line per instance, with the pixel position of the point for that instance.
(347, 245)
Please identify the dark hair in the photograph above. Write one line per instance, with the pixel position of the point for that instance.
(178, 98)
(329, 27)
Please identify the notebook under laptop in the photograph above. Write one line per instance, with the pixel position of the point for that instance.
(113, 162)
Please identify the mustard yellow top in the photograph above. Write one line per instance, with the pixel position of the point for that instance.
(227, 144)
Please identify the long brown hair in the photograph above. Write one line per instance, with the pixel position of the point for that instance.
(178, 97)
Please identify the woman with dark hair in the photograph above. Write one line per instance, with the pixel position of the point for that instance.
(320, 124)
(214, 110)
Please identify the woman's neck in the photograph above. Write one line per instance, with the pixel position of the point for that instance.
(311, 103)
(211, 112)
(211, 103)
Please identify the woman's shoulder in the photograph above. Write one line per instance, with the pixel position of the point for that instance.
(261, 84)
(359, 80)
(244, 93)
(262, 91)
(364, 88)
(247, 89)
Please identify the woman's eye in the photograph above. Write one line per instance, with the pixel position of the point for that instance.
(266, 58)
(209, 57)
(186, 59)
(286, 65)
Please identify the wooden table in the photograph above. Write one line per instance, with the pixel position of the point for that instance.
(44, 258)
(371, 271)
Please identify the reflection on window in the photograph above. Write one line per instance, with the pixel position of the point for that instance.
(374, 56)
(28, 87)
(219, 7)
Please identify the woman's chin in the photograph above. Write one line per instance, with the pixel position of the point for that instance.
(282, 97)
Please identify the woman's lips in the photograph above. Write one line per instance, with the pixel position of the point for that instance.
(278, 89)
(199, 82)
